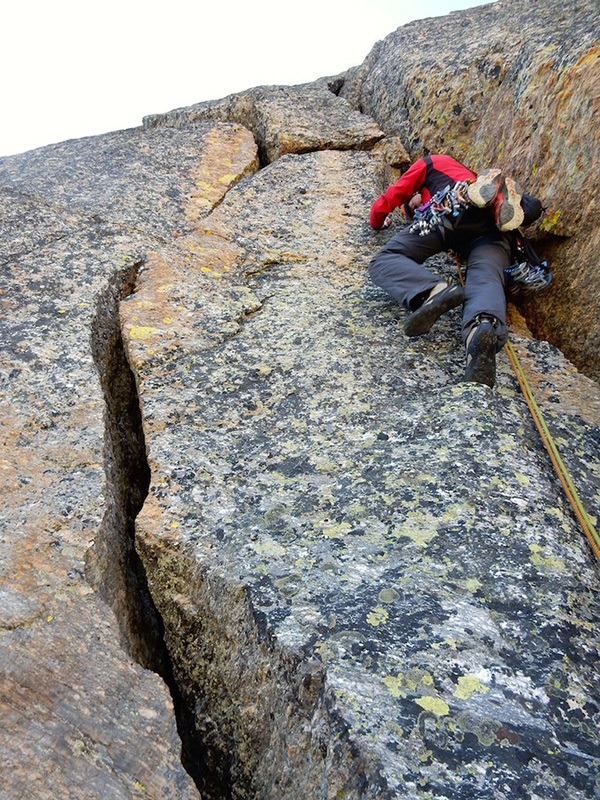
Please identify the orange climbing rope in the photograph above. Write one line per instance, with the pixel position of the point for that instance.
(590, 532)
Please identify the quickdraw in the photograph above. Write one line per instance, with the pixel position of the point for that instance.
(445, 205)
(527, 278)
(528, 273)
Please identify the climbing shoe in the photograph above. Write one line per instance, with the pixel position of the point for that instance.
(484, 190)
(508, 211)
(438, 302)
(481, 353)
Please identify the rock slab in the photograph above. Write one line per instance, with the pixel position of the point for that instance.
(367, 573)
(359, 574)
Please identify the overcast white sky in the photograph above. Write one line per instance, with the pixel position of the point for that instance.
(71, 69)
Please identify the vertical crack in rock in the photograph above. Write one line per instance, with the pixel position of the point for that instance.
(113, 565)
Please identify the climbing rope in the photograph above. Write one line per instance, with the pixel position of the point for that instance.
(561, 470)
(586, 524)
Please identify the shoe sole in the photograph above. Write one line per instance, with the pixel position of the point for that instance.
(421, 320)
(510, 214)
(485, 188)
(482, 367)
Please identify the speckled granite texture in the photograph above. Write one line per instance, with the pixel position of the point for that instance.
(79, 717)
(397, 532)
(369, 582)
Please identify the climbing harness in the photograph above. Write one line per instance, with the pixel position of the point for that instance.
(563, 475)
(444, 208)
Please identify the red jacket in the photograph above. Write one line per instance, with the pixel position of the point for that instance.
(427, 176)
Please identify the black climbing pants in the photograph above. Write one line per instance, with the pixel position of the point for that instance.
(398, 267)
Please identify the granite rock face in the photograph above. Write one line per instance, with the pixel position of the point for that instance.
(224, 464)
(513, 85)
(367, 567)
(285, 119)
(80, 718)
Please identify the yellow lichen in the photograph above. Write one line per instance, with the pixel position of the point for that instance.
(388, 595)
(469, 685)
(523, 479)
(337, 531)
(546, 563)
(143, 332)
(395, 685)
(268, 547)
(434, 704)
(377, 616)
(417, 677)
(550, 222)
(418, 527)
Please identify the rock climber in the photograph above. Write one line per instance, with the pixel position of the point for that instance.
(452, 208)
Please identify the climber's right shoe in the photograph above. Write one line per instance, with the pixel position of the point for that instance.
(484, 190)
(438, 302)
(481, 344)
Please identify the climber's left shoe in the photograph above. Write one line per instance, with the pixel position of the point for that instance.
(439, 301)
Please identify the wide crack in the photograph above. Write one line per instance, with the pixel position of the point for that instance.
(113, 566)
